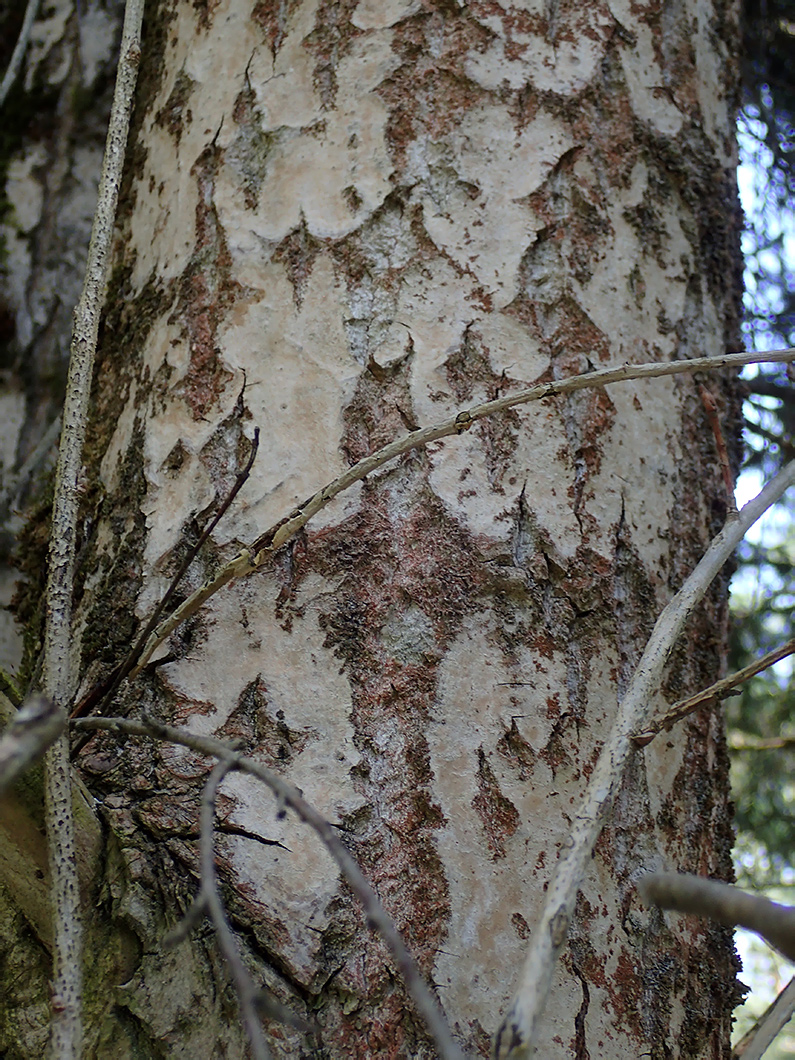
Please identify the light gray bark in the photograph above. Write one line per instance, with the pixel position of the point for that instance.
(342, 222)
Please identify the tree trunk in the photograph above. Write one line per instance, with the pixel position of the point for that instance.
(53, 131)
(341, 221)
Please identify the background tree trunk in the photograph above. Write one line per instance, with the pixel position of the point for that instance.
(342, 220)
(52, 133)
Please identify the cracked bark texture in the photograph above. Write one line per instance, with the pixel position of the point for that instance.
(342, 220)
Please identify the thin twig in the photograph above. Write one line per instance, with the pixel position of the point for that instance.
(254, 556)
(289, 796)
(103, 693)
(66, 1024)
(247, 990)
(10, 689)
(770, 743)
(518, 1033)
(726, 904)
(753, 1044)
(36, 725)
(714, 693)
(19, 51)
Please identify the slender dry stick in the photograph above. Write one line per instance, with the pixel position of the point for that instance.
(103, 693)
(289, 796)
(724, 903)
(34, 727)
(770, 743)
(247, 991)
(730, 906)
(714, 693)
(753, 1044)
(66, 1025)
(254, 1001)
(518, 1033)
(278, 535)
(19, 51)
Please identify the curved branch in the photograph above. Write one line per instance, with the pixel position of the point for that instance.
(720, 901)
(519, 1030)
(716, 692)
(19, 51)
(210, 901)
(777, 1015)
(287, 795)
(278, 535)
(34, 727)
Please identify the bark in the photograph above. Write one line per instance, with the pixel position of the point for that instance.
(53, 128)
(54, 122)
(340, 221)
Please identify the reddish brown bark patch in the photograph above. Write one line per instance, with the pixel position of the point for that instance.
(497, 814)
(433, 48)
(175, 112)
(272, 19)
(470, 374)
(328, 43)
(298, 252)
(409, 577)
(206, 294)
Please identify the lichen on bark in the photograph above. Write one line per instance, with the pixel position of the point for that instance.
(380, 212)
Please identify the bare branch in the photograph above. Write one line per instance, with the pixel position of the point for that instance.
(247, 990)
(724, 903)
(105, 696)
(519, 1030)
(770, 743)
(66, 1024)
(289, 796)
(753, 1044)
(192, 919)
(19, 51)
(278, 535)
(36, 725)
(713, 694)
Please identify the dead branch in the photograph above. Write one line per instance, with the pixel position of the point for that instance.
(519, 1029)
(105, 692)
(210, 902)
(36, 725)
(67, 1024)
(251, 558)
(770, 743)
(722, 902)
(753, 1044)
(289, 796)
(714, 694)
(18, 55)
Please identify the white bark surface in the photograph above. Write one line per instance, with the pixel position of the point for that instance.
(343, 221)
